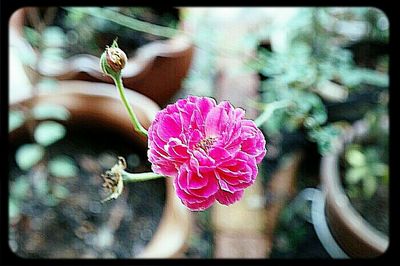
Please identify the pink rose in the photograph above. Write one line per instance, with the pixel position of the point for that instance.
(210, 150)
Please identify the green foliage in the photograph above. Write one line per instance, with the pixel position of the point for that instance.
(32, 36)
(28, 155)
(325, 136)
(86, 28)
(50, 111)
(48, 132)
(292, 228)
(366, 161)
(15, 119)
(53, 36)
(317, 67)
(305, 107)
(365, 171)
(20, 187)
(63, 166)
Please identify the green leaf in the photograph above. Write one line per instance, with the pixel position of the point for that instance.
(53, 36)
(48, 132)
(28, 155)
(32, 36)
(50, 111)
(369, 186)
(13, 209)
(63, 166)
(379, 169)
(354, 175)
(355, 157)
(15, 120)
(19, 188)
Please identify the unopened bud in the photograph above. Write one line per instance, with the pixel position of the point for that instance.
(113, 60)
(116, 58)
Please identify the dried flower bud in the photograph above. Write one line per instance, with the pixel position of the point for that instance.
(116, 58)
(113, 181)
(113, 60)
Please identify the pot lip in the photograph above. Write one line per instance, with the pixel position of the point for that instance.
(142, 60)
(175, 218)
(337, 199)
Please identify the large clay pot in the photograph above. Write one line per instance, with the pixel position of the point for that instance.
(98, 104)
(355, 236)
(156, 71)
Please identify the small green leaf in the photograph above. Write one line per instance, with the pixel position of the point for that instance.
(19, 188)
(15, 120)
(355, 157)
(369, 186)
(13, 209)
(32, 36)
(50, 111)
(354, 175)
(63, 166)
(28, 155)
(379, 169)
(48, 132)
(54, 36)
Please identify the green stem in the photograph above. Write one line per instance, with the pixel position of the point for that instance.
(269, 110)
(129, 22)
(129, 177)
(135, 121)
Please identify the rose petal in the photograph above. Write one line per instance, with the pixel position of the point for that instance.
(228, 198)
(215, 120)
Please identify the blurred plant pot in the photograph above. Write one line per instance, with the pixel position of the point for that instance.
(98, 104)
(352, 232)
(156, 71)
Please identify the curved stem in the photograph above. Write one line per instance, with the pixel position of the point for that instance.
(135, 121)
(129, 177)
(129, 22)
(269, 110)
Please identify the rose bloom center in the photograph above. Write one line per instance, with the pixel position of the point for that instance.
(206, 144)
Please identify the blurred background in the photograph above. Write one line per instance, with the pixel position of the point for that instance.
(315, 79)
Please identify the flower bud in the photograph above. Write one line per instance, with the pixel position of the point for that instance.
(116, 58)
(113, 60)
(113, 181)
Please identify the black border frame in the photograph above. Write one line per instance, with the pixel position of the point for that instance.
(7, 257)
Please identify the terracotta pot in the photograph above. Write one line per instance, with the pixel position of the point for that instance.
(156, 71)
(98, 104)
(351, 231)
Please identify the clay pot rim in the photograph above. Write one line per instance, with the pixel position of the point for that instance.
(338, 200)
(175, 220)
(141, 62)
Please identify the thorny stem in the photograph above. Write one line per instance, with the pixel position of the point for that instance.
(135, 121)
